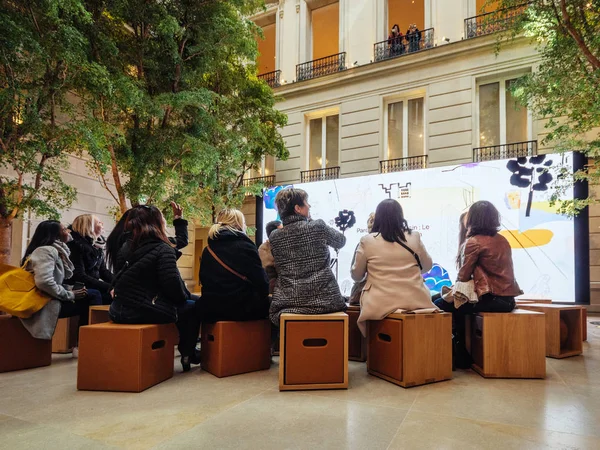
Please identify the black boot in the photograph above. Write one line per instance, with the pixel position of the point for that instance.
(187, 361)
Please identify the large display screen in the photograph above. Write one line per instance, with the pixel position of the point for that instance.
(542, 240)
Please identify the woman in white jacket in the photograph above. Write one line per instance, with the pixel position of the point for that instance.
(47, 257)
(393, 259)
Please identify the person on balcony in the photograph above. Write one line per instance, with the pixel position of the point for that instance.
(395, 41)
(305, 283)
(413, 36)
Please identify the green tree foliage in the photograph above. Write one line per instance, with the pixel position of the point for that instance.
(41, 51)
(173, 108)
(565, 86)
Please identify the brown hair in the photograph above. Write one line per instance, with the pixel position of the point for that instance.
(483, 219)
(390, 222)
(462, 237)
(287, 200)
(146, 222)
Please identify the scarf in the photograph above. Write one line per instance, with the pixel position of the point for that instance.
(100, 243)
(64, 253)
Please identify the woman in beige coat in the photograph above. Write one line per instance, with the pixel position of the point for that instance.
(393, 259)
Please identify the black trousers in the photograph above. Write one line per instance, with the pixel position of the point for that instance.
(80, 307)
(487, 303)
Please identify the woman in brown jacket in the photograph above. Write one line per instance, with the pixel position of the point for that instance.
(487, 260)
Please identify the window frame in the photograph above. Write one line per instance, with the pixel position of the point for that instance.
(501, 80)
(323, 114)
(404, 98)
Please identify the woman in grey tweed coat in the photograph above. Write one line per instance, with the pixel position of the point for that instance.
(305, 283)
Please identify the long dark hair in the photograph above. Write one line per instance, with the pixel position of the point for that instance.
(390, 222)
(462, 237)
(46, 233)
(115, 241)
(145, 222)
(483, 219)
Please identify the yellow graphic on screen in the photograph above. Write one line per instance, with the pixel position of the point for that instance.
(527, 239)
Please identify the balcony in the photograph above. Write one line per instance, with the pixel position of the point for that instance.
(404, 45)
(329, 173)
(492, 22)
(403, 164)
(506, 151)
(273, 79)
(267, 181)
(320, 67)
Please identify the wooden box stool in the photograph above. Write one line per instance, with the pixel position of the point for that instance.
(563, 329)
(357, 343)
(125, 358)
(508, 345)
(65, 335)
(18, 350)
(411, 349)
(230, 348)
(98, 314)
(313, 351)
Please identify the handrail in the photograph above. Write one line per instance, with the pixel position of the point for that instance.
(320, 67)
(328, 173)
(403, 164)
(403, 45)
(271, 78)
(505, 151)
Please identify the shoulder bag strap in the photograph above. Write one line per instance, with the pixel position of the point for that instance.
(214, 255)
(412, 252)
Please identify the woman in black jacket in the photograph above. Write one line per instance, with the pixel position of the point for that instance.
(87, 255)
(234, 283)
(148, 287)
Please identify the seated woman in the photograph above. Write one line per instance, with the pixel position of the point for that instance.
(487, 261)
(88, 256)
(234, 283)
(148, 287)
(118, 237)
(305, 283)
(47, 257)
(394, 259)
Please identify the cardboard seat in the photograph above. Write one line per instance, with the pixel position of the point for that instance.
(313, 351)
(507, 345)
(411, 349)
(564, 326)
(231, 348)
(128, 358)
(18, 350)
(98, 314)
(357, 343)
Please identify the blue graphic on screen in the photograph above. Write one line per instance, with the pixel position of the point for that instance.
(436, 279)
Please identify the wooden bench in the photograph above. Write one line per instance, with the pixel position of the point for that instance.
(18, 350)
(231, 348)
(563, 328)
(507, 345)
(357, 343)
(313, 351)
(411, 349)
(126, 358)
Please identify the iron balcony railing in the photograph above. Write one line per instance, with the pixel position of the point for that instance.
(403, 45)
(268, 181)
(273, 79)
(492, 22)
(505, 151)
(403, 164)
(322, 66)
(329, 173)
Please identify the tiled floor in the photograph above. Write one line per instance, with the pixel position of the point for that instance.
(41, 408)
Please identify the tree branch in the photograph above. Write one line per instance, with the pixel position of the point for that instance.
(592, 59)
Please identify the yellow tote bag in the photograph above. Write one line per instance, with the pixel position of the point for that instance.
(18, 294)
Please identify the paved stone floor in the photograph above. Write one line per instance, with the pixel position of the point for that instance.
(41, 408)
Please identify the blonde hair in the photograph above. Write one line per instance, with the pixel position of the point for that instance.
(370, 222)
(230, 219)
(85, 225)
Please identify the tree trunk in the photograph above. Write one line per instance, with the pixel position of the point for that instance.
(5, 239)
